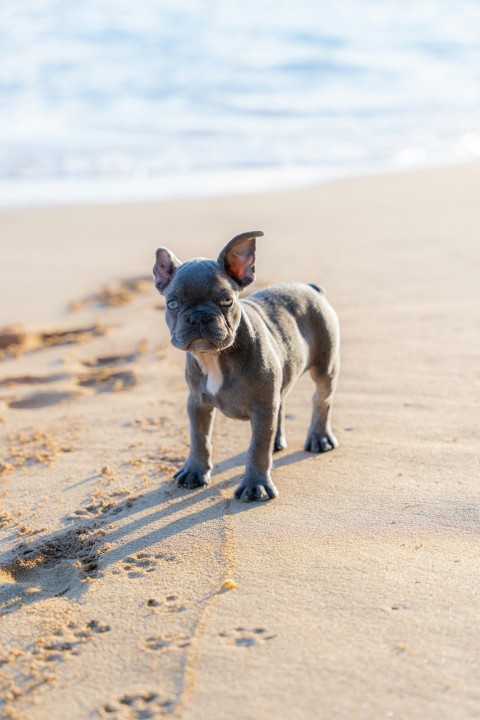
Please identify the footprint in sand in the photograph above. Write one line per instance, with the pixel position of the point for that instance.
(105, 506)
(108, 380)
(12, 337)
(71, 336)
(36, 662)
(15, 340)
(34, 445)
(164, 642)
(32, 379)
(168, 605)
(104, 360)
(68, 640)
(48, 568)
(137, 565)
(138, 707)
(124, 359)
(39, 400)
(102, 504)
(104, 380)
(115, 294)
(241, 637)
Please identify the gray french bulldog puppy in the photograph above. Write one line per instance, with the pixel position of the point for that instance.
(244, 356)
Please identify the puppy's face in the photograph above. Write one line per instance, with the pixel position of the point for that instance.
(202, 310)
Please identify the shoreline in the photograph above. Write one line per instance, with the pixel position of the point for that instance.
(230, 183)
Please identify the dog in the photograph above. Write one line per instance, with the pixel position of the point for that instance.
(244, 356)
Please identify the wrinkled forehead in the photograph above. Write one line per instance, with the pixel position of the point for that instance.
(198, 279)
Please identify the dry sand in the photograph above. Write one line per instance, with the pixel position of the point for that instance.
(357, 591)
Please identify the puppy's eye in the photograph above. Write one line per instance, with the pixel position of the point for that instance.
(172, 304)
(226, 302)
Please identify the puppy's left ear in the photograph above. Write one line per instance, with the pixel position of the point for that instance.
(165, 266)
(237, 258)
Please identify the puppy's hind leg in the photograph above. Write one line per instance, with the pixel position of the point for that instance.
(320, 437)
(280, 439)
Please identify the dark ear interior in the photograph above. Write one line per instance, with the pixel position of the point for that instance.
(237, 258)
(164, 269)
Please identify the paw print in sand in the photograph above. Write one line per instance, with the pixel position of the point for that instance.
(137, 565)
(242, 637)
(67, 641)
(167, 642)
(169, 604)
(138, 707)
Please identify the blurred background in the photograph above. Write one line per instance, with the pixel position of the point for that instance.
(110, 100)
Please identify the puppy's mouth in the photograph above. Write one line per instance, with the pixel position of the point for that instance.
(211, 338)
(201, 345)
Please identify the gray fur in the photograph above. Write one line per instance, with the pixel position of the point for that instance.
(244, 359)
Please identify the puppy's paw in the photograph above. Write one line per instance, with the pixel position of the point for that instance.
(320, 442)
(256, 488)
(280, 443)
(191, 477)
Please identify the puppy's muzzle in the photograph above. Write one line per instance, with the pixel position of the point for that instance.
(200, 318)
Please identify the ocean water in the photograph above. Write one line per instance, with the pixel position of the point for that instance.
(114, 99)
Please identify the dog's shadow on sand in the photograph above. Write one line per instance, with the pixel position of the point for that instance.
(66, 562)
(278, 461)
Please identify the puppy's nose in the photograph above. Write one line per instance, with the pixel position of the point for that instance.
(199, 317)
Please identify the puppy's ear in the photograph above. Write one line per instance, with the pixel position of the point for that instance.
(237, 258)
(164, 269)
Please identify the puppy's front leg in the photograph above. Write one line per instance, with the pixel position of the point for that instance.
(256, 483)
(198, 465)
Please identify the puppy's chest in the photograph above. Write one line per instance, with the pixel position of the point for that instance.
(212, 372)
(217, 389)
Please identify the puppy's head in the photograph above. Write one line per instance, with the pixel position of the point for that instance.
(202, 309)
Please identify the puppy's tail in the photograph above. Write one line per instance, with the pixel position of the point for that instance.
(316, 287)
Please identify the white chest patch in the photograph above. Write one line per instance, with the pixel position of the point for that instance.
(211, 368)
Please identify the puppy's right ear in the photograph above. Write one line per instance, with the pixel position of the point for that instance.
(164, 269)
(237, 258)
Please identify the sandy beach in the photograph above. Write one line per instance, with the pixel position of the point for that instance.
(354, 595)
